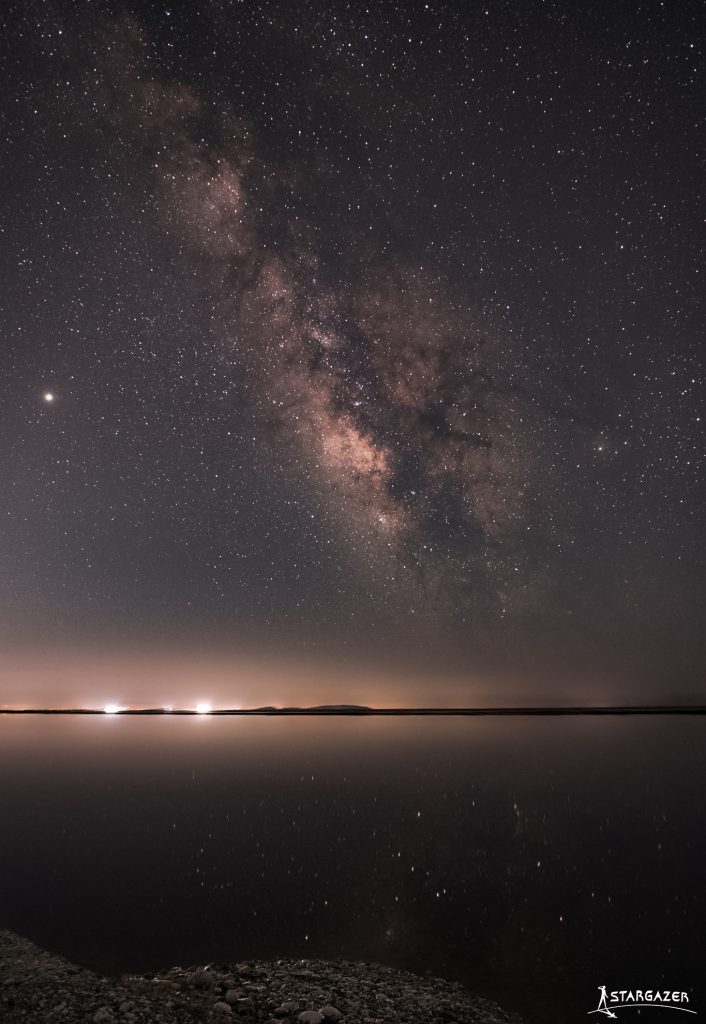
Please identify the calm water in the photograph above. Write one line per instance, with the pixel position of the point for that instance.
(532, 859)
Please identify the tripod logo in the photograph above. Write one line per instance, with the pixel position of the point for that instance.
(603, 1003)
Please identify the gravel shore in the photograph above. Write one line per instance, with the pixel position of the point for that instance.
(37, 987)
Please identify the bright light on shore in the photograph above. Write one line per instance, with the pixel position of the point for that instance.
(112, 709)
(203, 708)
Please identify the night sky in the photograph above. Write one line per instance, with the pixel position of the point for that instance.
(365, 329)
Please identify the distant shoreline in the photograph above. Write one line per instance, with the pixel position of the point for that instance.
(359, 710)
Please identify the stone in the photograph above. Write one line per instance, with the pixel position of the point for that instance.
(102, 1016)
(286, 1008)
(222, 1009)
(232, 995)
(203, 979)
(330, 1013)
(310, 1017)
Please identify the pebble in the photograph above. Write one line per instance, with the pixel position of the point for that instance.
(203, 979)
(330, 1013)
(286, 1008)
(310, 1017)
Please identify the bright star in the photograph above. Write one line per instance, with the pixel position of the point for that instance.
(48, 396)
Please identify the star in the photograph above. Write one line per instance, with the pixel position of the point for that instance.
(48, 396)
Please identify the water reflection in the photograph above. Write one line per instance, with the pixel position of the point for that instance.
(531, 859)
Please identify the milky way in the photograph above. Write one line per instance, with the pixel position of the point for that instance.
(356, 325)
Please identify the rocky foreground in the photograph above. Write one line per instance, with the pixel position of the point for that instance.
(38, 987)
